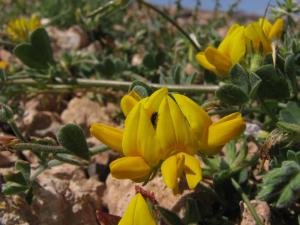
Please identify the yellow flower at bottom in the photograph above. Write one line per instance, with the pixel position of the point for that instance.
(137, 213)
(229, 52)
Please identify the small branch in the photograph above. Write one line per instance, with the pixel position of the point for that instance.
(16, 130)
(39, 148)
(173, 22)
(247, 202)
(98, 149)
(118, 85)
(37, 172)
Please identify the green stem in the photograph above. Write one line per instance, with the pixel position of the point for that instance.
(227, 111)
(173, 22)
(39, 148)
(118, 85)
(37, 172)
(16, 130)
(98, 149)
(247, 202)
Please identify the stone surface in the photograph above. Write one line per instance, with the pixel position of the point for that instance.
(84, 112)
(262, 209)
(63, 196)
(119, 192)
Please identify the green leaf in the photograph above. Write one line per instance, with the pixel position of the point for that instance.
(192, 211)
(255, 82)
(149, 61)
(289, 118)
(72, 138)
(232, 95)
(239, 77)
(281, 185)
(168, 217)
(274, 85)
(24, 168)
(15, 178)
(141, 88)
(38, 53)
(12, 188)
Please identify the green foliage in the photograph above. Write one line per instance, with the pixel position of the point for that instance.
(289, 118)
(38, 53)
(141, 88)
(168, 217)
(72, 138)
(281, 186)
(19, 182)
(234, 163)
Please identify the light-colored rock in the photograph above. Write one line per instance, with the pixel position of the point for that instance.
(119, 193)
(262, 209)
(63, 196)
(84, 112)
(71, 39)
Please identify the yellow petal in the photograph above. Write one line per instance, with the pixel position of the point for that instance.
(276, 30)
(198, 119)
(227, 44)
(137, 213)
(169, 172)
(129, 101)
(153, 102)
(202, 60)
(193, 172)
(139, 136)
(173, 130)
(3, 64)
(110, 136)
(226, 129)
(221, 61)
(265, 25)
(238, 49)
(129, 167)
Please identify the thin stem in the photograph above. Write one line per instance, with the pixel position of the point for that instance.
(39, 148)
(98, 149)
(173, 22)
(37, 172)
(16, 130)
(118, 85)
(226, 111)
(247, 202)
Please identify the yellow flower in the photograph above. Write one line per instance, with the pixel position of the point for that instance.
(137, 213)
(262, 33)
(230, 51)
(168, 130)
(18, 30)
(211, 136)
(155, 129)
(3, 65)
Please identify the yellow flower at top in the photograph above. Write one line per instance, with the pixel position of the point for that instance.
(137, 213)
(262, 33)
(165, 130)
(18, 30)
(230, 51)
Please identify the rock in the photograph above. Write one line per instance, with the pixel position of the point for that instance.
(71, 39)
(262, 209)
(84, 112)
(119, 193)
(63, 196)
(40, 123)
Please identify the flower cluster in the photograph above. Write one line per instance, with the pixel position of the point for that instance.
(18, 30)
(165, 131)
(257, 36)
